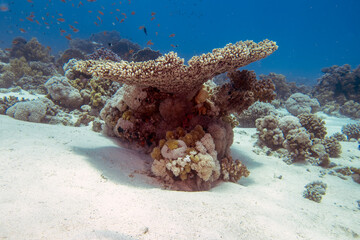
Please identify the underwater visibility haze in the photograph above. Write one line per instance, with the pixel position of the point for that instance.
(217, 119)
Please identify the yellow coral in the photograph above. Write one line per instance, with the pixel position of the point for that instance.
(127, 115)
(156, 153)
(172, 144)
(169, 74)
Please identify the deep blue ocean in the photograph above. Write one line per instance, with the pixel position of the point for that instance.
(310, 34)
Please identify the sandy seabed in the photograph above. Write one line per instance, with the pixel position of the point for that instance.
(60, 182)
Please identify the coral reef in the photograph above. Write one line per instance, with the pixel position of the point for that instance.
(258, 110)
(351, 130)
(62, 92)
(169, 74)
(299, 103)
(172, 111)
(313, 124)
(283, 88)
(340, 84)
(298, 143)
(145, 55)
(269, 132)
(105, 38)
(32, 111)
(31, 50)
(125, 49)
(104, 54)
(315, 190)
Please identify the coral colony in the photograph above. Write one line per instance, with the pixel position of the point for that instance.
(173, 112)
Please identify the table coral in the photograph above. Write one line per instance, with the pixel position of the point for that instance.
(174, 112)
(169, 74)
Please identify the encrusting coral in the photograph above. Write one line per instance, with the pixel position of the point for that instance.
(169, 74)
(172, 111)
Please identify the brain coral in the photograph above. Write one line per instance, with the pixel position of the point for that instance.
(169, 74)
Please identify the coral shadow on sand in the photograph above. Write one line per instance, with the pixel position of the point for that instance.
(120, 165)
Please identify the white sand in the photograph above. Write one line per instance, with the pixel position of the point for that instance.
(61, 182)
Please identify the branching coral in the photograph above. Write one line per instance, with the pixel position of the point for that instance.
(32, 50)
(169, 74)
(315, 190)
(313, 124)
(351, 130)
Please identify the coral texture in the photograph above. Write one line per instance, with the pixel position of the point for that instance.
(169, 74)
(313, 124)
(32, 111)
(60, 90)
(145, 55)
(351, 130)
(315, 190)
(258, 110)
(299, 103)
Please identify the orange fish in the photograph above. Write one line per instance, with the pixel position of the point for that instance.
(158, 25)
(72, 27)
(96, 23)
(149, 43)
(141, 27)
(89, 11)
(21, 20)
(118, 10)
(61, 20)
(132, 13)
(64, 1)
(117, 19)
(30, 1)
(153, 13)
(156, 33)
(22, 30)
(37, 22)
(101, 13)
(104, 33)
(122, 20)
(8, 49)
(153, 18)
(76, 22)
(4, 8)
(68, 37)
(80, 3)
(98, 18)
(30, 19)
(15, 42)
(124, 15)
(60, 14)
(62, 31)
(131, 51)
(172, 35)
(75, 30)
(46, 23)
(91, 0)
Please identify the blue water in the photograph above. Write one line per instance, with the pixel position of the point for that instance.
(310, 34)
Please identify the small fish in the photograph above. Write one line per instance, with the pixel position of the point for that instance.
(75, 30)
(80, 3)
(174, 45)
(152, 19)
(62, 31)
(61, 20)
(76, 22)
(96, 23)
(145, 31)
(172, 35)
(100, 12)
(60, 14)
(37, 22)
(122, 20)
(15, 42)
(30, 19)
(158, 25)
(156, 33)
(30, 1)
(118, 10)
(153, 13)
(91, 0)
(68, 37)
(150, 43)
(22, 30)
(132, 13)
(4, 7)
(64, 1)
(131, 51)
(124, 15)
(8, 49)
(117, 19)
(98, 18)
(89, 11)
